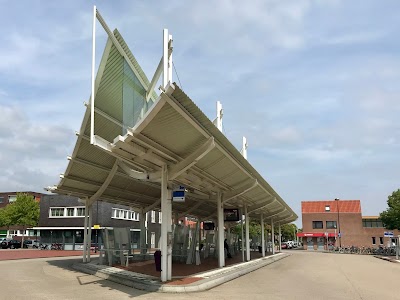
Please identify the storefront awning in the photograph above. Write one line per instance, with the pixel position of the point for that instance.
(316, 234)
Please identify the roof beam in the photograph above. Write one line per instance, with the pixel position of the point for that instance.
(194, 207)
(277, 212)
(280, 221)
(153, 206)
(111, 188)
(104, 169)
(105, 184)
(191, 160)
(105, 145)
(148, 117)
(126, 144)
(151, 176)
(141, 139)
(240, 191)
(156, 76)
(82, 193)
(260, 206)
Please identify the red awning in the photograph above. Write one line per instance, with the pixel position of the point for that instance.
(315, 234)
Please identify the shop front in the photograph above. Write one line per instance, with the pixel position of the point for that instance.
(318, 241)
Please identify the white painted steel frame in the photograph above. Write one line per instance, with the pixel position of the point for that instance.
(180, 165)
(220, 215)
(272, 236)
(247, 220)
(93, 76)
(280, 237)
(262, 236)
(220, 111)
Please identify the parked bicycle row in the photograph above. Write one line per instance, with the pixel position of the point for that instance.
(389, 251)
(54, 246)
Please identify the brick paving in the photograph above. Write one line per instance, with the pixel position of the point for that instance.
(181, 269)
(10, 254)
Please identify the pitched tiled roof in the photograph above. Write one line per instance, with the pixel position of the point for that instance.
(344, 206)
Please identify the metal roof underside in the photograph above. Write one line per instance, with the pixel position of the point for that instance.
(170, 129)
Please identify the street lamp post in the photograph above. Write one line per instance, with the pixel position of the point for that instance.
(340, 236)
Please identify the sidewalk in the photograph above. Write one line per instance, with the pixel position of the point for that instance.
(36, 253)
(388, 258)
(191, 283)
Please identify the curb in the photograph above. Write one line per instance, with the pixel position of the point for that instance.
(152, 284)
(389, 259)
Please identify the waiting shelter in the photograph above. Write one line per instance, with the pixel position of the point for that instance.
(136, 147)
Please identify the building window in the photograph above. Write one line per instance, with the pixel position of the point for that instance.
(124, 214)
(80, 211)
(1, 199)
(317, 225)
(57, 212)
(373, 240)
(66, 212)
(12, 232)
(12, 198)
(159, 217)
(331, 225)
(327, 208)
(381, 240)
(374, 223)
(153, 216)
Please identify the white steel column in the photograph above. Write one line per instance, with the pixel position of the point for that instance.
(89, 238)
(241, 214)
(220, 214)
(93, 76)
(262, 236)
(280, 237)
(167, 58)
(85, 226)
(244, 147)
(246, 215)
(272, 236)
(219, 116)
(165, 204)
(169, 224)
(142, 221)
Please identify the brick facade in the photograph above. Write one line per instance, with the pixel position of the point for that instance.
(348, 218)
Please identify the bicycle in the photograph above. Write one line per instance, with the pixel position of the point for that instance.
(56, 246)
(43, 247)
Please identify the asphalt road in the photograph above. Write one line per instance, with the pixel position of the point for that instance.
(303, 275)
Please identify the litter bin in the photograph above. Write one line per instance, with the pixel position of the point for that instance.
(259, 249)
(157, 260)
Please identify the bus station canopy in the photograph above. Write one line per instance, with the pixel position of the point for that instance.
(136, 132)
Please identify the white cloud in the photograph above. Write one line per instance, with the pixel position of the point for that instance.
(31, 153)
(313, 85)
(352, 38)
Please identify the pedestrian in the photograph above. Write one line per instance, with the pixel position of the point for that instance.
(226, 247)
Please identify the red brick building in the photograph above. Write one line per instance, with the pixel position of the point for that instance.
(340, 223)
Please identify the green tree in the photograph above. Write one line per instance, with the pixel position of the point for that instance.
(288, 231)
(24, 211)
(391, 216)
(5, 220)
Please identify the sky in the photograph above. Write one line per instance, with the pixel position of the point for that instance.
(313, 85)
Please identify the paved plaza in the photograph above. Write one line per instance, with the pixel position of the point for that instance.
(299, 276)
